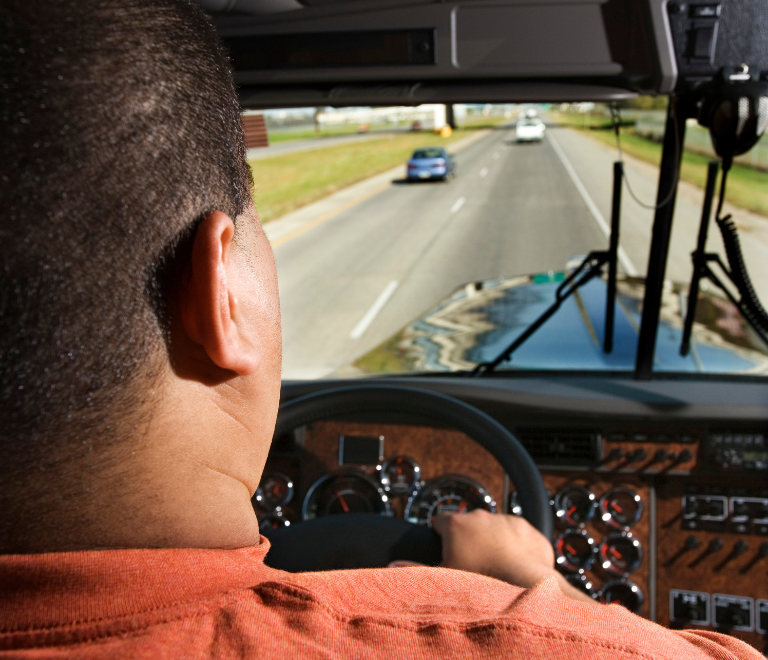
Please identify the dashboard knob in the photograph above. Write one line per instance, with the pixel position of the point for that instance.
(684, 456)
(691, 543)
(740, 547)
(636, 455)
(660, 455)
(614, 455)
(715, 545)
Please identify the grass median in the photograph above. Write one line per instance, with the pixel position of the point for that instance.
(285, 183)
(746, 188)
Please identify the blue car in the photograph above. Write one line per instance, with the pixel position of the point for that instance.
(431, 163)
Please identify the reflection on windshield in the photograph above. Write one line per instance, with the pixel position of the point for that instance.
(379, 275)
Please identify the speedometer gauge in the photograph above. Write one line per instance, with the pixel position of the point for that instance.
(451, 493)
(345, 491)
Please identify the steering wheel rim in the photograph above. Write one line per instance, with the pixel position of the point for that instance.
(439, 408)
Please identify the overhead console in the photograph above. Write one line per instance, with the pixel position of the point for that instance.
(371, 52)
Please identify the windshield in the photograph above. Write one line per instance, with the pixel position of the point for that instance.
(428, 153)
(388, 268)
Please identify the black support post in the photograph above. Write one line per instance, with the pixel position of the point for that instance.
(674, 135)
(699, 257)
(450, 119)
(613, 253)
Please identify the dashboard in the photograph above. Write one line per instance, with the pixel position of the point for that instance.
(664, 511)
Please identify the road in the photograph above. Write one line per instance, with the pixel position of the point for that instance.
(352, 271)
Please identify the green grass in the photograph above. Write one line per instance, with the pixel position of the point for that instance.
(483, 122)
(586, 121)
(310, 134)
(285, 183)
(747, 187)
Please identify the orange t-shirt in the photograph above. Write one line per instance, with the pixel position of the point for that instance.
(191, 603)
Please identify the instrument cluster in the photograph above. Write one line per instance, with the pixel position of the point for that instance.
(352, 490)
(614, 555)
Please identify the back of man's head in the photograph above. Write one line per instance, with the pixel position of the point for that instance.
(119, 130)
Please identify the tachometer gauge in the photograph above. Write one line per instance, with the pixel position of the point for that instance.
(400, 475)
(621, 554)
(345, 491)
(451, 493)
(575, 550)
(274, 492)
(575, 505)
(621, 507)
(271, 522)
(624, 593)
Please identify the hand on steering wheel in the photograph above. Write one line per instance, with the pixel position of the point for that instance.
(362, 541)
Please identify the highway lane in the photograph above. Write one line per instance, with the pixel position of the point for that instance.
(520, 213)
(350, 282)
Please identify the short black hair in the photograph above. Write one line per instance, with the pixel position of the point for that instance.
(119, 130)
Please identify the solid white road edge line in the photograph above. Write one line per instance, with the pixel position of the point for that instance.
(384, 296)
(626, 262)
(483, 172)
(458, 204)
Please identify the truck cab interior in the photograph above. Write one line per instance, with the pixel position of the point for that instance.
(642, 450)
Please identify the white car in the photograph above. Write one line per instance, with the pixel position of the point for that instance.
(529, 129)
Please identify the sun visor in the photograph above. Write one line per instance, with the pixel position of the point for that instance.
(342, 52)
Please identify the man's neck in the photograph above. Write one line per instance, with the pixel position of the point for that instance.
(181, 482)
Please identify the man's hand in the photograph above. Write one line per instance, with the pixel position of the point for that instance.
(508, 548)
(504, 547)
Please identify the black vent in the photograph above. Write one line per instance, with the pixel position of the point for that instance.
(560, 446)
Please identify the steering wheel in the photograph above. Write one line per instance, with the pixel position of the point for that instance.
(368, 541)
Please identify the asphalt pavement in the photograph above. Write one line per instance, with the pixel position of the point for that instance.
(358, 266)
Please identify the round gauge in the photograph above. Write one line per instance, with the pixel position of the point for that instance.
(400, 475)
(582, 583)
(575, 505)
(575, 550)
(345, 491)
(621, 554)
(272, 521)
(451, 493)
(621, 507)
(624, 593)
(274, 492)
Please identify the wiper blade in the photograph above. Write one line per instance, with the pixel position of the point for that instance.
(590, 267)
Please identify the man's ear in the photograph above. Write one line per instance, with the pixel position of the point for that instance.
(207, 301)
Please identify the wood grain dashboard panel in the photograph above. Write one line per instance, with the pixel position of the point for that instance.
(438, 451)
(700, 569)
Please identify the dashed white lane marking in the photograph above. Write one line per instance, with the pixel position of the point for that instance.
(626, 262)
(458, 204)
(384, 296)
(495, 155)
(483, 172)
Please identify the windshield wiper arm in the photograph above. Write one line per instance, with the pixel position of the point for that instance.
(590, 267)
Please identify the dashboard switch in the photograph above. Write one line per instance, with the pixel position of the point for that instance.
(689, 606)
(740, 547)
(732, 612)
(702, 42)
(715, 545)
(691, 543)
(761, 613)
